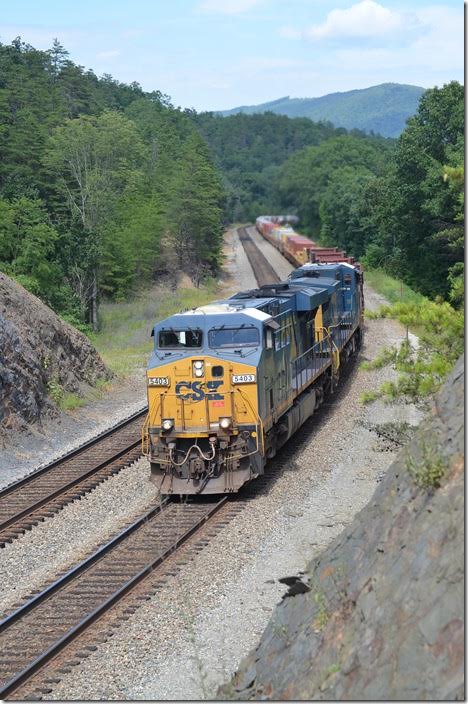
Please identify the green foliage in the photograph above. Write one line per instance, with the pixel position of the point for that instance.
(92, 174)
(422, 369)
(55, 390)
(396, 206)
(322, 614)
(320, 183)
(428, 468)
(71, 401)
(249, 150)
(369, 396)
(124, 341)
(392, 289)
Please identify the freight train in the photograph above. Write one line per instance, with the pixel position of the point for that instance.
(278, 230)
(230, 382)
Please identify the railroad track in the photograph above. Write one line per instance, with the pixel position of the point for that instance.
(38, 631)
(67, 621)
(263, 271)
(43, 493)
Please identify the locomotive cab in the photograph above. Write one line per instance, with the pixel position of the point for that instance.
(203, 432)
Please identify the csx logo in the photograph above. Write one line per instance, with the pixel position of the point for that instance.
(192, 390)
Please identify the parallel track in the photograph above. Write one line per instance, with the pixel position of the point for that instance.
(44, 492)
(41, 629)
(263, 271)
(36, 632)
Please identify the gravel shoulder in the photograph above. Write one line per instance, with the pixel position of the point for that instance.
(277, 261)
(26, 451)
(189, 638)
(239, 273)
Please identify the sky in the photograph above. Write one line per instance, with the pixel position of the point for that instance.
(219, 54)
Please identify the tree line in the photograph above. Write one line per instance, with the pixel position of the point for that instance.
(394, 204)
(104, 186)
(101, 184)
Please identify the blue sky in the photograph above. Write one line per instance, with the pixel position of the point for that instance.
(215, 54)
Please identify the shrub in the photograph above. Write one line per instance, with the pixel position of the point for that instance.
(427, 470)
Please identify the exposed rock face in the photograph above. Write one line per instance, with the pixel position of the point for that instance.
(384, 615)
(37, 350)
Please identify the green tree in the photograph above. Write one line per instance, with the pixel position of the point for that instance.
(195, 211)
(28, 247)
(94, 160)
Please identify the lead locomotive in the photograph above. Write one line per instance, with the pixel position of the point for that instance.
(229, 383)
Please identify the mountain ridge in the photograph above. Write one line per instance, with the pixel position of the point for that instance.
(383, 108)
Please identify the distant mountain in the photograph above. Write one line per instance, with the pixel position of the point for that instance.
(383, 108)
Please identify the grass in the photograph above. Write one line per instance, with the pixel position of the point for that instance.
(427, 470)
(395, 291)
(124, 341)
(70, 401)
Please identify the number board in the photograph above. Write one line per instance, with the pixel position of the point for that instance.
(158, 381)
(243, 378)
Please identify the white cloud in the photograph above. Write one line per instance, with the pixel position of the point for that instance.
(437, 47)
(227, 7)
(111, 54)
(365, 19)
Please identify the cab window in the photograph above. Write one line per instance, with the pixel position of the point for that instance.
(234, 337)
(174, 339)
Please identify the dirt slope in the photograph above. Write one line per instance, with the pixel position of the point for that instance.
(38, 351)
(383, 617)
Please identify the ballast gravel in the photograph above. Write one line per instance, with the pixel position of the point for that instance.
(36, 448)
(240, 275)
(190, 637)
(63, 540)
(279, 263)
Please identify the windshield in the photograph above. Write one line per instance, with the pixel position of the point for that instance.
(234, 337)
(180, 338)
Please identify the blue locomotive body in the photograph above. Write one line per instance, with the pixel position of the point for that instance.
(230, 382)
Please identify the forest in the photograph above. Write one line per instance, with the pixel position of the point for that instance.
(397, 204)
(103, 186)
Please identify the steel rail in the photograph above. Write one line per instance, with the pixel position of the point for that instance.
(38, 482)
(262, 269)
(69, 455)
(26, 673)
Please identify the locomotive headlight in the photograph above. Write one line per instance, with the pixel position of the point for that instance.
(167, 423)
(198, 368)
(225, 423)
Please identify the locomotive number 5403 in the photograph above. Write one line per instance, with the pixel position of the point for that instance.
(243, 378)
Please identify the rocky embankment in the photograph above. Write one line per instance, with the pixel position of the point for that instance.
(39, 354)
(381, 613)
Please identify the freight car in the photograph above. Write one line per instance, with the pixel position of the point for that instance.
(228, 383)
(296, 248)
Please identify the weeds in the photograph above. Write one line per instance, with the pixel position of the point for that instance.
(394, 290)
(427, 470)
(423, 367)
(55, 390)
(70, 401)
(369, 396)
(323, 615)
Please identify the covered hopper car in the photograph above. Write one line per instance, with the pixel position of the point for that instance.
(228, 383)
